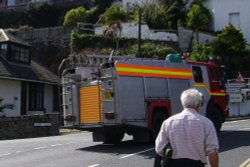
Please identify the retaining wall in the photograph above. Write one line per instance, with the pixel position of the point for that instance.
(29, 126)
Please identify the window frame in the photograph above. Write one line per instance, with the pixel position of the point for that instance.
(36, 97)
(197, 74)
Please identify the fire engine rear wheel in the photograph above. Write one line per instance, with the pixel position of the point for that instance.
(216, 117)
(113, 138)
(158, 118)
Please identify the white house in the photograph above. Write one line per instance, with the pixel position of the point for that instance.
(222, 11)
(230, 11)
(30, 87)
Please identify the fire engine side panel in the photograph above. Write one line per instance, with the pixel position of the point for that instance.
(156, 88)
(131, 100)
(176, 87)
(135, 87)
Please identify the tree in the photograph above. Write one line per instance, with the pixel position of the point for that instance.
(113, 14)
(74, 16)
(230, 46)
(164, 15)
(198, 18)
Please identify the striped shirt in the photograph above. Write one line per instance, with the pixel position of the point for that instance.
(190, 134)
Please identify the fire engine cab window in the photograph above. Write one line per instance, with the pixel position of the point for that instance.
(197, 73)
(215, 75)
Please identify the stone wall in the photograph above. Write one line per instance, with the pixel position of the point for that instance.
(186, 35)
(29, 126)
(59, 35)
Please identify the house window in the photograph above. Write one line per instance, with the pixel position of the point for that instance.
(36, 96)
(3, 50)
(197, 74)
(55, 98)
(19, 54)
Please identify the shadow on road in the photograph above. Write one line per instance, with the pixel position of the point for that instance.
(125, 147)
(229, 140)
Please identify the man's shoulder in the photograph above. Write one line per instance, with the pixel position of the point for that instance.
(205, 120)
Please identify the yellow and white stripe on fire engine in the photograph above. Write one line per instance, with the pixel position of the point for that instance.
(152, 71)
(198, 84)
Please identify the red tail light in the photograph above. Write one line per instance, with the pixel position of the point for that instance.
(70, 118)
(110, 115)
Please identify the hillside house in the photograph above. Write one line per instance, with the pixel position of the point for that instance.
(9, 5)
(30, 87)
(230, 11)
(222, 13)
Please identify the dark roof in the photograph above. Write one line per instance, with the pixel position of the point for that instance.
(33, 72)
(7, 37)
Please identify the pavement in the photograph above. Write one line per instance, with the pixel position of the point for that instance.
(236, 118)
(64, 131)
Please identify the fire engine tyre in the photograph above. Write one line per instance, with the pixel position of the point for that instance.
(113, 138)
(216, 117)
(158, 119)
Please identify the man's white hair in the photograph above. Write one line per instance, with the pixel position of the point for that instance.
(191, 98)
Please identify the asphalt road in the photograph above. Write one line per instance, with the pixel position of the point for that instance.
(78, 150)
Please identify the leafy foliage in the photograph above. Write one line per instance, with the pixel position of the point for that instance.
(198, 17)
(128, 46)
(113, 14)
(201, 53)
(74, 16)
(230, 42)
(98, 10)
(230, 46)
(164, 15)
(151, 50)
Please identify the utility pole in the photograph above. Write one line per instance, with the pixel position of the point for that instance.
(139, 33)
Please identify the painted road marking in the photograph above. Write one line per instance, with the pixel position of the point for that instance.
(236, 130)
(54, 145)
(229, 122)
(94, 165)
(129, 155)
(1, 155)
(246, 163)
(38, 148)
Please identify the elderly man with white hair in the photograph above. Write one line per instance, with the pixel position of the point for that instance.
(191, 135)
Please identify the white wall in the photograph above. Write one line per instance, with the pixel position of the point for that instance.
(130, 30)
(10, 91)
(131, 3)
(221, 11)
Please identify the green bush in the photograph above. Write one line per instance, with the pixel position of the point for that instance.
(155, 16)
(202, 53)
(127, 46)
(113, 14)
(164, 15)
(74, 16)
(230, 46)
(150, 49)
